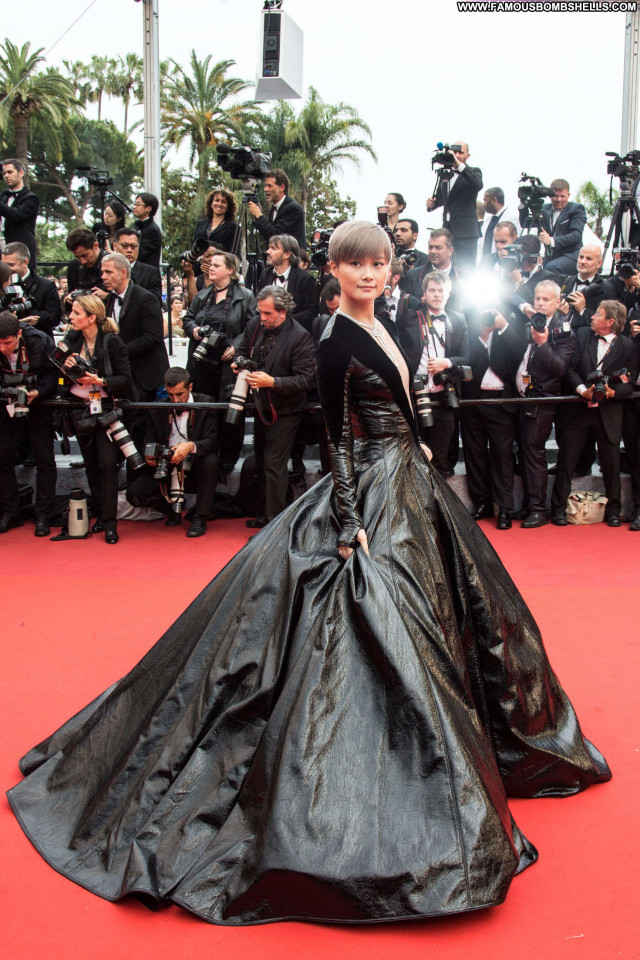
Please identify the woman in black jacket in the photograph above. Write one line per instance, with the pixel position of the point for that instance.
(219, 224)
(94, 338)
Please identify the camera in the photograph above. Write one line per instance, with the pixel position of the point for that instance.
(80, 367)
(245, 164)
(539, 322)
(213, 345)
(487, 317)
(119, 435)
(239, 391)
(96, 177)
(533, 194)
(193, 254)
(513, 259)
(626, 168)
(14, 388)
(444, 155)
(423, 402)
(447, 378)
(14, 299)
(599, 381)
(626, 260)
(408, 257)
(320, 247)
(163, 455)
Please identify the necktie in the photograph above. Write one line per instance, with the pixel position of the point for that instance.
(488, 237)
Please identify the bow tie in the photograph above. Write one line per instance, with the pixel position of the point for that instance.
(582, 283)
(118, 297)
(391, 306)
(281, 279)
(600, 337)
(439, 316)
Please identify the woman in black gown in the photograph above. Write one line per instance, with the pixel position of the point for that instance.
(331, 729)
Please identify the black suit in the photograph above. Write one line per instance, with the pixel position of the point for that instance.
(150, 242)
(202, 478)
(547, 365)
(141, 329)
(19, 220)
(44, 295)
(80, 277)
(302, 287)
(461, 217)
(147, 277)
(411, 334)
(488, 431)
(411, 283)
(567, 235)
(594, 293)
(291, 361)
(36, 428)
(574, 421)
(288, 219)
(525, 293)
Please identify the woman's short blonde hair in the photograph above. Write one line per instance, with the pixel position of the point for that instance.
(91, 303)
(357, 239)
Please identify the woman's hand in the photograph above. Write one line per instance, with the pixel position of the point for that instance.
(345, 552)
(91, 380)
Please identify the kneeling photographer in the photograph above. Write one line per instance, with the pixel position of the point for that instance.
(215, 319)
(279, 369)
(26, 378)
(180, 446)
(95, 363)
(603, 371)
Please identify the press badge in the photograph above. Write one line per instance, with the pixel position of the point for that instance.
(95, 401)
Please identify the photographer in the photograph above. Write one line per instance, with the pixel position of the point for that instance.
(563, 224)
(602, 372)
(115, 218)
(283, 270)
(583, 291)
(494, 214)
(85, 270)
(127, 242)
(42, 307)
(504, 235)
(285, 216)
(144, 209)
(525, 279)
(94, 339)
(285, 356)
(545, 361)
(441, 252)
(24, 353)
(462, 221)
(631, 431)
(219, 224)
(189, 440)
(18, 209)
(405, 237)
(195, 284)
(436, 343)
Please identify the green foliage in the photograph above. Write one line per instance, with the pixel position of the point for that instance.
(51, 247)
(325, 205)
(597, 204)
(70, 200)
(181, 207)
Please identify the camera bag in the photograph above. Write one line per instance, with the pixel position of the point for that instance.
(585, 506)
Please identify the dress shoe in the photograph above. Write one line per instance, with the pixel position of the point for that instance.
(535, 520)
(173, 520)
(504, 519)
(198, 527)
(559, 519)
(635, 523)
(7, 522)
(98, 526)
(256, 523)
(42, 526)
(483, 511)
(613, 521)
(111, 533)
(520, 514)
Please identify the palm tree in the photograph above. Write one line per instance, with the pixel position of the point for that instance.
(46, 100)
(598, 205)
(126, 81)
(321, 138)
(198, 107)
(100, 74)
(78, 74)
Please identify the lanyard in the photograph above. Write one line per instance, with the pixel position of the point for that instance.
(427, 329)
(173, 417)
(604, 355)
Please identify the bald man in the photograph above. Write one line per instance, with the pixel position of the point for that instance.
(461, 218)
(583, 291)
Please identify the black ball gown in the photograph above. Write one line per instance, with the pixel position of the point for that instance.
(321, 739)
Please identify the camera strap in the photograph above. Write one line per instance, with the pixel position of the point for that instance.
(604, 355)
(23, 356)
(173, 418)
(428, 329)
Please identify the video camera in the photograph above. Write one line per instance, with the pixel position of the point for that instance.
(97, 178)
(599, 381)
(623, 167)
(626, 260)
(15, 300)
(245, 164)
(444, 155)
(534, 194)
(213, 345)
(320, 247)
(14, 388)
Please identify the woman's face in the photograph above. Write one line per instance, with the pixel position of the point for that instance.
(219, 205)
(392, 203)
(176, 307)
(361, 279)
(109, 217)
(219, 272)
(80, 319)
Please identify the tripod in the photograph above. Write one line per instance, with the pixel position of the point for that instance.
(626, 203)
(247, 236)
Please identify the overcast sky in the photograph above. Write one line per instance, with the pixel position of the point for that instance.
(534, 92)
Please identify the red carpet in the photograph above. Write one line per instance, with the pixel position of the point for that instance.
(78, 615)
